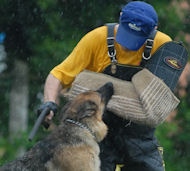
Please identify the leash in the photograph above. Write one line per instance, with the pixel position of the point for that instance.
(81, 126)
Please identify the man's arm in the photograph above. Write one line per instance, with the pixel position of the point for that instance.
(51, 90)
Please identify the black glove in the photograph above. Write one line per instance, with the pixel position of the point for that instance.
(52, 107)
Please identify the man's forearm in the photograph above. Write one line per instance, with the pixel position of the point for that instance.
(52, 88)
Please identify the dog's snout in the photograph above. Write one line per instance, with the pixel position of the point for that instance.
(109, 86)
(106, 91)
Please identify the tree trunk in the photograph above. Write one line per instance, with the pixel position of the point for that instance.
(18, 116)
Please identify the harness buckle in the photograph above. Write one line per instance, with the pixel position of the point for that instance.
(110, 38)
(149, 40)
(149, 43)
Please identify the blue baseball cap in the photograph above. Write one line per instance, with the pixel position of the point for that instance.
(137, 21)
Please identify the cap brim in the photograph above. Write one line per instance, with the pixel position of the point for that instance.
(129, 39)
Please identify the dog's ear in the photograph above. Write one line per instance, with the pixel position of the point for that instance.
(63, 113)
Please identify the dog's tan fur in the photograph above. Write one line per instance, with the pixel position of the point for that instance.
(81, 155)
(69, 147)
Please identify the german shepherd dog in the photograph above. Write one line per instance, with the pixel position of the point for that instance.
(73, 144)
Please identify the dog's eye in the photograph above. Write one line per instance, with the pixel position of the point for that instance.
(91, 110)
(90, 107)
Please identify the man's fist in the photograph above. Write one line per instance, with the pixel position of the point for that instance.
(53, 108)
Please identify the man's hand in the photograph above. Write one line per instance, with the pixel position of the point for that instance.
(53, 107)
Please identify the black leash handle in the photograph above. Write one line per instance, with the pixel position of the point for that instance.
(38, 123)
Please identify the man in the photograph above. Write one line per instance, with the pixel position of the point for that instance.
(128, 143)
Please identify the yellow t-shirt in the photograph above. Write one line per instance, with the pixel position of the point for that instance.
(91, 53)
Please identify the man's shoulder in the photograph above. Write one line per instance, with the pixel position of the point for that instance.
(95, 38)
(101, 32)
(162, 36)
(160, 39)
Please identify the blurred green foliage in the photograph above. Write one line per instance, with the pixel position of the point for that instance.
(42, 33)
(174, 137)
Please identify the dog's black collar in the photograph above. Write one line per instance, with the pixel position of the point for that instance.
(82, 126)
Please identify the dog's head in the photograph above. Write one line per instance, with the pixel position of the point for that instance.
(88, 108)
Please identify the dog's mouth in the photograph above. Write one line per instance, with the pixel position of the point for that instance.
(106, 92)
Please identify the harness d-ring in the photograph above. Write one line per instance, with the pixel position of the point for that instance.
(146, 58)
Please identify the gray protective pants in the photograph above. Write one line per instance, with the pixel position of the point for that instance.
(130, 144)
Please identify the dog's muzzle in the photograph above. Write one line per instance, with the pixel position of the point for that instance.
(106, 91)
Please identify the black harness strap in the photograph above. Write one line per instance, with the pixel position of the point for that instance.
(110, 42)
(111, 47)
(146, 55)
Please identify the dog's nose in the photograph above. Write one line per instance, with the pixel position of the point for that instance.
(106, 91)
(109, 86)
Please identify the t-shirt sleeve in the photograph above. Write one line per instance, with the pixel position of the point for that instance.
(77, 61)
